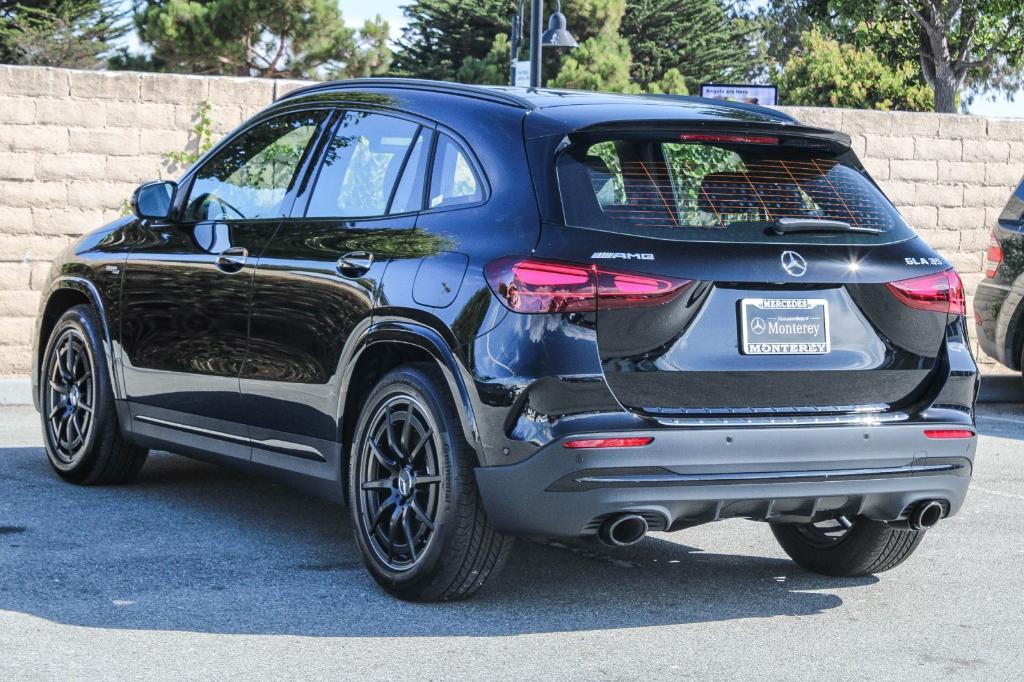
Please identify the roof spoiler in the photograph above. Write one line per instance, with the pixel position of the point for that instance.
(790, 132)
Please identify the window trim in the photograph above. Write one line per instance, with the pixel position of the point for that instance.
(475, 166)
(187, 181)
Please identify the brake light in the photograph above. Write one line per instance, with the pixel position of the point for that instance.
(733, 139)
(607, 443)
(993, 256)
(948, 433)
(528, 285)
(942, 292)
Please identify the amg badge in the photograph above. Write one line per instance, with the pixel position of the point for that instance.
(621, 256)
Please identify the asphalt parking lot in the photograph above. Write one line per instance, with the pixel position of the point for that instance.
(197, 572)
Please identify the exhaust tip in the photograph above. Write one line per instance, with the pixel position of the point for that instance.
(623, 530)
(926, 515)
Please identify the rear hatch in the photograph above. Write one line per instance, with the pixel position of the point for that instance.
(747, 274)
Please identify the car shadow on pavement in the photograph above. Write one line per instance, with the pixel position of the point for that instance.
(192, 547)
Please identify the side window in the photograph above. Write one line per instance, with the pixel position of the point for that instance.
(452, 180)
(409, 193)
(250, 177)
(361, 166)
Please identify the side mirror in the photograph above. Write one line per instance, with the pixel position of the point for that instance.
(153, 200)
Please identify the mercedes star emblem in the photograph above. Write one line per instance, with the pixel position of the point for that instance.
(793, 263)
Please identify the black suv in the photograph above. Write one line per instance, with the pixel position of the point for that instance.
(998, 308)
(477, 313)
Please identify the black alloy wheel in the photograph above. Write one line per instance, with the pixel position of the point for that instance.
(70, 397)
(400, 482)
(81, 429)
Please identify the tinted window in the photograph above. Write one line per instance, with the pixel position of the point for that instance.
(409, 194)
(732, 192)
(250, 177)
(452, 180)
(361, 166)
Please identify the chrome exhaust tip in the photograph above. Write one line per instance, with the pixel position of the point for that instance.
(623, 530)
(926, 515)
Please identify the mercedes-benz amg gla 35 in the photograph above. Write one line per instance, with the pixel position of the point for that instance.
(475, 313)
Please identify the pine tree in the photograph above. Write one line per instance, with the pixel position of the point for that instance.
(699, 38)
(69, 33)
(603, 61)
(267, 38)
(440, 35)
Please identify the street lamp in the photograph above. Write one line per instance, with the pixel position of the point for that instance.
(557, 35)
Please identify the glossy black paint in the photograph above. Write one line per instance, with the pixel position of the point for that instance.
(998, 309)
(263, 363)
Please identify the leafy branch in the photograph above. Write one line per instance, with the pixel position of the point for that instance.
(201, 139)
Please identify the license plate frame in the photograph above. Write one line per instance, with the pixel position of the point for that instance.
(789, 315)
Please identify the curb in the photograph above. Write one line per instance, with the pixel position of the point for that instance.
(15, 391)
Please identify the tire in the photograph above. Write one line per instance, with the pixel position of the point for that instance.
(81, 433)
(866, 548)
(426, 479)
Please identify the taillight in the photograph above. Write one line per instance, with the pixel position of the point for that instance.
(528, 285)
(993, 256)
(942, 292)
(948, 433)
(607, 443)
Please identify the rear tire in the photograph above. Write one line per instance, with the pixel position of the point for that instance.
(866, 548)
(81, 433)
(416, 513)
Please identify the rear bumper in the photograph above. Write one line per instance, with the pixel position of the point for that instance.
(694, 475)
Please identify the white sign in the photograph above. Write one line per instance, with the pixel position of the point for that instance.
(523, 74)
(765, 95)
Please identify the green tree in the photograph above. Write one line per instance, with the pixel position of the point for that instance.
(956, 43)
(603, 61)
(371, 56)
(69, 33)
(267, 38)
(825, 72)
(440, 35)
(492, 69)
(699, 38)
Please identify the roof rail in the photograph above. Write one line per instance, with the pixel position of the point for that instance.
(475, 91)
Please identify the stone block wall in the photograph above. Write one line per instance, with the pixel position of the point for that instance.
(75, 144)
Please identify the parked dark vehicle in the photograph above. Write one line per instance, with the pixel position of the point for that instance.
(998, 313)
(478, 313)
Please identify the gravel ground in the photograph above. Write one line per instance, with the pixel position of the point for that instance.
(198, 572)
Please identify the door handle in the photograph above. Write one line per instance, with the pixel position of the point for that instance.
(233, 259)
(355, 263)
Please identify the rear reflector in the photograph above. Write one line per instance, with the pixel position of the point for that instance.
(942, 292)
(993, 256)
(734, 139)
(528, 285)
(607, 443)
(948, 433)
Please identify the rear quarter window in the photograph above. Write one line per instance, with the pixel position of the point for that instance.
(709, 192)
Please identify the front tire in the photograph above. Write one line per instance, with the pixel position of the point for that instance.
(416, 513)
(81, 433)
(847, 548)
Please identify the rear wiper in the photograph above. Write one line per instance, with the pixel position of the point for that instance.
(795, 225)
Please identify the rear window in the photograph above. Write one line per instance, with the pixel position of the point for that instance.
(720, 192)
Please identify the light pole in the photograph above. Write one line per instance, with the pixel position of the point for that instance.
(557, 35)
